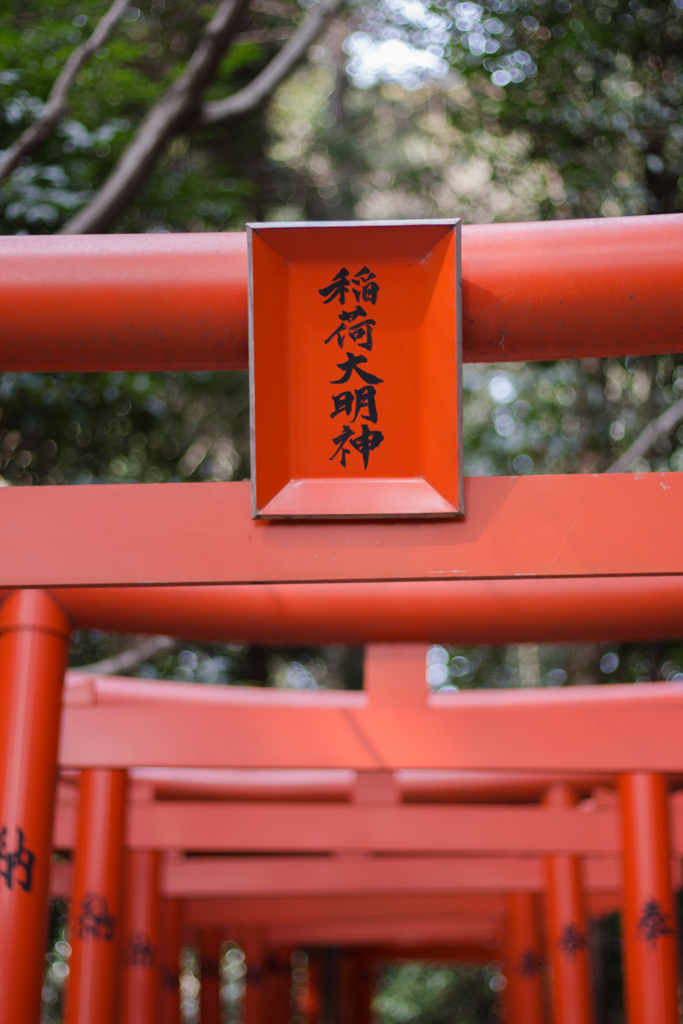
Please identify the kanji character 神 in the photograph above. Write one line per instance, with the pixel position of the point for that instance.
(367, 442)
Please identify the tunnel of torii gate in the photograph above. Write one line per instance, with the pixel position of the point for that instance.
(362, 827)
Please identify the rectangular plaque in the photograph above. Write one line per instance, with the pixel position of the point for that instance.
(355, 370)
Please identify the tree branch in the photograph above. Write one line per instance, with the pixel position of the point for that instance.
(56, 105)
(145, 647)
(252, 95)
(165, 118)
(663, 424)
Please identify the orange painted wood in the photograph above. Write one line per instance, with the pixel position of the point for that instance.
(139, 949)
(523, 960)
(624, 608)
(537, 526)
(547, 290)
(578, 729)
(124, 302)
(649, 917)
(97, 904)
(404, 342)
(318, 827)
(34, 641)
(566, 928)
(349, 876)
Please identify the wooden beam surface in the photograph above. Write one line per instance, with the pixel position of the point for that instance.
(170, 534)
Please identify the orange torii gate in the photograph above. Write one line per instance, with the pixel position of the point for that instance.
(76, 304)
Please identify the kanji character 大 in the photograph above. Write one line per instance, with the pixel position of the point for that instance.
(353, 363)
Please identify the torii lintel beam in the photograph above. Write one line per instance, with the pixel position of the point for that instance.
(515, 527)
(553, 290)
(138, 723)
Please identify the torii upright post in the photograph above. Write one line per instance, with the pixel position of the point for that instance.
(567, 936)
(140, 988)
(523, 995)
(649, 933)
(96, 901)
(169, 961)
(34, 638)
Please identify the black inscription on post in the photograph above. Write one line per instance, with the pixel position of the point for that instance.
(571, 941)
(94, 920)
(355, 328)
(138, 950)
(529, 964)
(169, 978)
(16, 865)
(653, 923)
(210, 967)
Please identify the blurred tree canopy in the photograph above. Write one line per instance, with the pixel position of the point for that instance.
(435, 993)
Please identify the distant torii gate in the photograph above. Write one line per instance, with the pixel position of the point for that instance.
(561, 290)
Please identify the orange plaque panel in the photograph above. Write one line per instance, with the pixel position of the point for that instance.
(355, 368)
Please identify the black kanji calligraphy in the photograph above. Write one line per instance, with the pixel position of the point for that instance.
(366, 285)
(367, 442)
(169, 979)
(94, 919)
(338, 289)
(347, 316)
(354, 327)
(340, 441)
(654, 923)
(362, 334)
(353, 364)
(138, 950)
(571, 941)
(529, 964)
(18, 863)
(363, 398)
(343, 403)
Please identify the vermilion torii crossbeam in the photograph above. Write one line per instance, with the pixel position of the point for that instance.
(320, 828)
(515, 527)
(553, 290)
(291, 877)
(623, 608)
(117, 723)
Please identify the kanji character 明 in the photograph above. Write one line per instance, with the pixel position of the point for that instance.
(364, 399)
